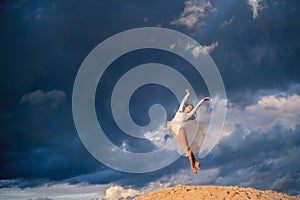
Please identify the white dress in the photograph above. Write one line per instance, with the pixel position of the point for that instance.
(194, 130)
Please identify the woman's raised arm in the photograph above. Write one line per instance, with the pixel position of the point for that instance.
(197, 106)
(180, 109)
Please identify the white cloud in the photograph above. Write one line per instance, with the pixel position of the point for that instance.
(157, 136)
(118, 192)
(268, 111)
(194, 13)
(197, 50)
(204, 49)
(61, 191)
(283, 109)
(172, 46)
(255, 6)
(39, 97)
(162, 138)
(124, 147)
(227, 22)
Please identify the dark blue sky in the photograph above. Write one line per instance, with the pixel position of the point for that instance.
(255, 45)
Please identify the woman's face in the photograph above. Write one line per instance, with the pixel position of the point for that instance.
(188, 108)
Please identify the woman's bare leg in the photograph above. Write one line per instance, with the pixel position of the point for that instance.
(182, 140)
(179, 140)
(197, 164)
(189, 153)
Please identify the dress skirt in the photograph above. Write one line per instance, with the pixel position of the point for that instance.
(194, 131)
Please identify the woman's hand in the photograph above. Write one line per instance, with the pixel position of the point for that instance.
(187, 90)
(205, 99)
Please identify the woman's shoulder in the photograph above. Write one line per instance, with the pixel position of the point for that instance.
(180, 113)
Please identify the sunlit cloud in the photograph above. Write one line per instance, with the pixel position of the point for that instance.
(268, 111)
(194, 13)
(204, 49)
(40, 97)
(256, 7)
(119, 192)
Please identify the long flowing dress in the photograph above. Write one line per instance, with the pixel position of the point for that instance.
(194, 130)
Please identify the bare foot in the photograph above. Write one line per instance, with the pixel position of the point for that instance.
(194, 170)
(197, 165)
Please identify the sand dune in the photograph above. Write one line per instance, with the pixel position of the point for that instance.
(213, 193)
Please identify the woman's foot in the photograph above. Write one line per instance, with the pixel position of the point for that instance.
(197, 165)
(193, 170)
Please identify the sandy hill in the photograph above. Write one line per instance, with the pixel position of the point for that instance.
(213, 193)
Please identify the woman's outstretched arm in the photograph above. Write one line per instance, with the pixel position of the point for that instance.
(197, 106)
(180, 109)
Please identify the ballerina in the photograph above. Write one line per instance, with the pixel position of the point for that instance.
(184, 125)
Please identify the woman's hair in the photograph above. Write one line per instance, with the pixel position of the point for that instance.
(194, 115)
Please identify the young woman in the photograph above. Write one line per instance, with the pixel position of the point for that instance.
(184, 125)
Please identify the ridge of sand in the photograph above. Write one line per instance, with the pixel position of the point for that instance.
(214, 193)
